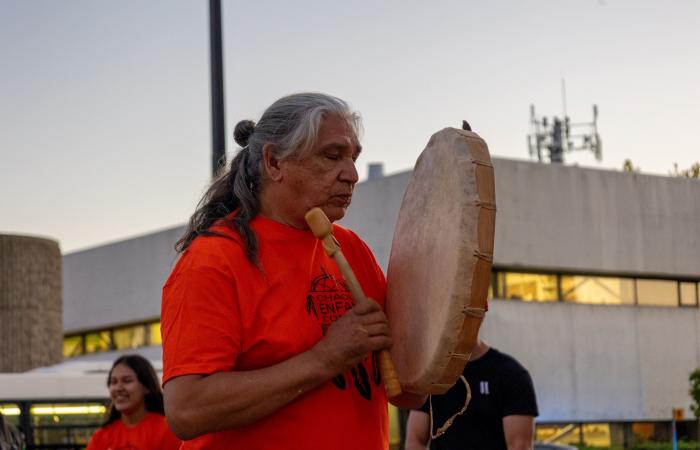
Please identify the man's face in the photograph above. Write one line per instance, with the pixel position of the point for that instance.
(325, 176)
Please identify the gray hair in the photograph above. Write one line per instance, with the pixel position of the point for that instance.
(291, 125)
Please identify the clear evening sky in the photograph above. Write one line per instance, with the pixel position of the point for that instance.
(104, 105)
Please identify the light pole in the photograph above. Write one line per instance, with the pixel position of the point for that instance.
(218, 120)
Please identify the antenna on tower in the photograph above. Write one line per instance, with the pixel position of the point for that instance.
(563, 97)
(555, 138)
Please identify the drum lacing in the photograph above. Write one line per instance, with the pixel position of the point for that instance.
(440, 431)
(482, 163)
(474, 312)
(486, 205)
(483, 256)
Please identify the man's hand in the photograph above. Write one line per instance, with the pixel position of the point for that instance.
(362, 330)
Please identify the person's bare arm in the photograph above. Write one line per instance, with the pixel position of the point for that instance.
(417, 430)
(199, 404)
(519, 432)
(408, 400)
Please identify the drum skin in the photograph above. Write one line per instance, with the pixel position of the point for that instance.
(440, 263)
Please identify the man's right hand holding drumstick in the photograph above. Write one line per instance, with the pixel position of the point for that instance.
(361, 331)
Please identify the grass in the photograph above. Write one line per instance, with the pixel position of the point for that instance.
(649, 446)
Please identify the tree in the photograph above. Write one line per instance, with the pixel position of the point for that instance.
(692, 172)
(695, 391)
(627, 166)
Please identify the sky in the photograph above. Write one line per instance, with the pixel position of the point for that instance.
(105, 113)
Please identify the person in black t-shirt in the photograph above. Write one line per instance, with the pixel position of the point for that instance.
(500, 416)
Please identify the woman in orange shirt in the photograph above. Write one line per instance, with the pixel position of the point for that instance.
(136, 420)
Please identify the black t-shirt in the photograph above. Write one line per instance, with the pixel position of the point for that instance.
(500, 387)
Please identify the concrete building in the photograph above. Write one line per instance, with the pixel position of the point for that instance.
(594, 290)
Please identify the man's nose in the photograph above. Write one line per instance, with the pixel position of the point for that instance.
(348, 173)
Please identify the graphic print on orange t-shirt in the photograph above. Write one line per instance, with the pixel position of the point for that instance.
(328, 299)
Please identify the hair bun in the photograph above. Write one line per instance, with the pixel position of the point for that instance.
(242, 132)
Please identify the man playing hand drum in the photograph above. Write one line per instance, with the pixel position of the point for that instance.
(263, 346)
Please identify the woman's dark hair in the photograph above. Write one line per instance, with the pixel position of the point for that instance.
(147, 377)
(291, 126)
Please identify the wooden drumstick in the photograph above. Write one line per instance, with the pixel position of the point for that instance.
(321, 228)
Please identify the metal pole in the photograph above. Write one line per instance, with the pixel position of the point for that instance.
(25, 423)
(218, 121)
(674, 435)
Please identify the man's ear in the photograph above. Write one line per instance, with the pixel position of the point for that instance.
(271, 165)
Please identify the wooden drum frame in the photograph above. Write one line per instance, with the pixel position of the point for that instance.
(440, 263)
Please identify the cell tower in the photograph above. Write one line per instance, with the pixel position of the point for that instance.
(552, 138)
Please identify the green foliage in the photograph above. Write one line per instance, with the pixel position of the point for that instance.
(694, 379)
(682, 445)
(692, 172)
(627, 166)
(586, 447)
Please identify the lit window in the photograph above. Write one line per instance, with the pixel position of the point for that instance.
(689, 294)
(596, 435)
(528, 286)
(154, 337)
(643, 431)
(10, 412)
(72, 423)
(566, 434)
(657, 292)
(597, 290)
(72, 346)
(129, 337)
(100, 341)
(68, 410)
(394, 427)
(9, 409)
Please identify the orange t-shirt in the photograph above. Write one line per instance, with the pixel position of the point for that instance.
(220, 313)
(152, 433)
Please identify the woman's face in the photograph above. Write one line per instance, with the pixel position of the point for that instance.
(125, 389)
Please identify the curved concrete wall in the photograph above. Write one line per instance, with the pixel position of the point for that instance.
(30, 303)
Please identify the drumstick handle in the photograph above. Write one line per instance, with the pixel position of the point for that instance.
(350, 279)
(386, 365)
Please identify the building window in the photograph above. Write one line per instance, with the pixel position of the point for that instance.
(597, 290)
(567, 434)
(689, 293)
(100, 341)
(154, 337)
(657, 292)
(528, 286)
(129, 337)
(55, 425)
(11, 412)
(596, 434)
(593, 289)
(643, 431)
(72, 346)
(121, 338)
